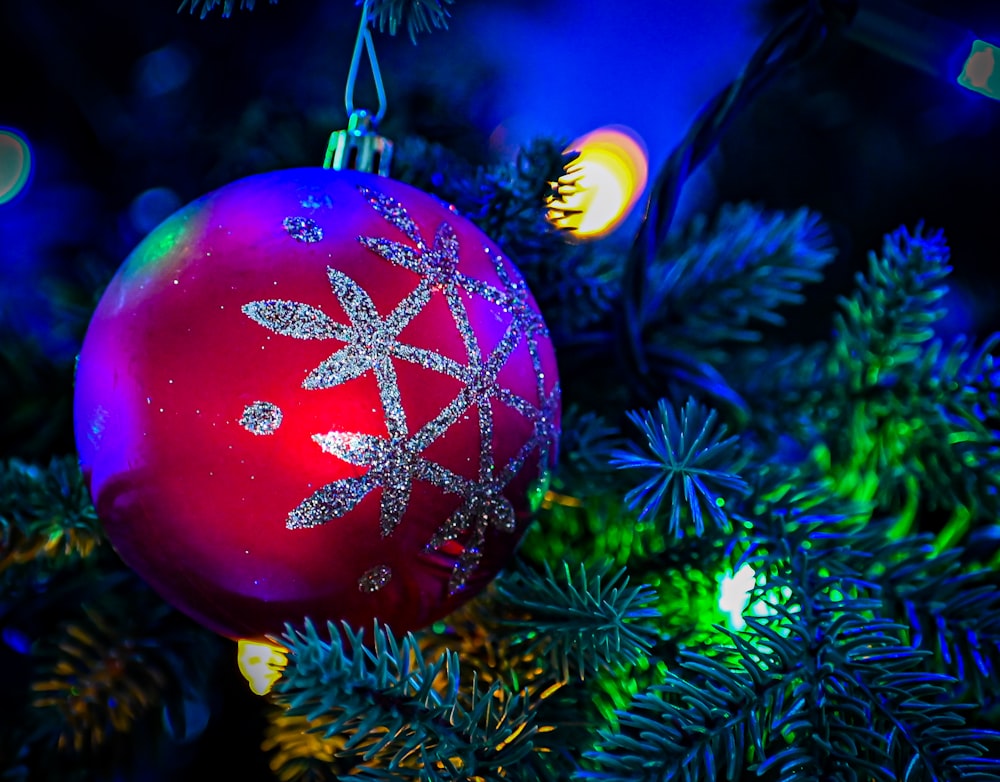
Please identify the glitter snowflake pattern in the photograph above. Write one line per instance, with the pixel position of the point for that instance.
(261, 418)
(376, 578)
(303, 229)
(372, 345)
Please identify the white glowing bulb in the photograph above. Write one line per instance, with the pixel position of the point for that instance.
(734, 595)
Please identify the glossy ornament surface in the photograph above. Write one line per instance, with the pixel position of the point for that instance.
(316, 393)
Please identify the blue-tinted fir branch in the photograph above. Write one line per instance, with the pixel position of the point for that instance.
(581, 621)
(690, 465)
(392, 704)
(417, 16)
(894, 308)
(718, 283)
(949, 610)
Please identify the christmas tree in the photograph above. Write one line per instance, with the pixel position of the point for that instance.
(767, 546)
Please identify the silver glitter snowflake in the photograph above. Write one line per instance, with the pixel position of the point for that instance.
(372, 345)
(303, 229)
(261, 418)
(376, 578)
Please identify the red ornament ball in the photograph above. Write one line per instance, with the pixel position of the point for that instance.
(316, 393)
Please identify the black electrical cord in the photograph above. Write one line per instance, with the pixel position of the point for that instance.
(800, 33)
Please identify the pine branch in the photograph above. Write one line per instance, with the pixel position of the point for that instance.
(204, 7)
(417, 16)
(586, 443)
(908, 419)
(950, 611)
(714, 284)
(894, 308)
(703, 712)
(47, 521)
(824, 688)
(393, 705)
(955, 455)
(126, 669)
(690, 461)
(896, 415)
(299, 754)
(582, 623)
(787, 389)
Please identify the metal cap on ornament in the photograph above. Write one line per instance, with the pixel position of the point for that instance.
(359, 148)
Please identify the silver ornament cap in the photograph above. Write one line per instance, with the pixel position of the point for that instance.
(359, 147)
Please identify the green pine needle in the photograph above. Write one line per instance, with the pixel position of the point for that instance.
(392, 704)
(582, 623)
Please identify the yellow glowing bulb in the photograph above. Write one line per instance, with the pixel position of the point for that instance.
(603, 183)
(261, 664)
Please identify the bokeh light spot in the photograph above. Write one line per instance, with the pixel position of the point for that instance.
(162, 71)
(151, 207)
(980, 72)
(602, 185)
(15, 164)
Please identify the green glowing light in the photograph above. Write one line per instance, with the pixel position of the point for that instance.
(539, 488)
(719, 502)
(15, 165)
(980, 73)
(734, 594)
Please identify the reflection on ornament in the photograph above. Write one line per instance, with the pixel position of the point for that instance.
(15, 164)
(601, 186)
(261, 664)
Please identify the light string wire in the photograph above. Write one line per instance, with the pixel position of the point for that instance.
(798, 35)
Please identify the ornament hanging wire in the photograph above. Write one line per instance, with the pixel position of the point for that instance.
(359, 147)
(364, 41)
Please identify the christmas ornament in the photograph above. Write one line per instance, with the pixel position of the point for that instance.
(315, 393)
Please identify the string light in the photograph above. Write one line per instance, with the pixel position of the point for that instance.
(15, 164)
(603, 184)
(980, 73)
(734, 595)
(929, 43)
(261, 664)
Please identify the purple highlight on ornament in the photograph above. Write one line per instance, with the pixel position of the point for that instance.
(303, 229)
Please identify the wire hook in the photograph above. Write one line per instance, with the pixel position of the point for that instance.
(364, 40)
